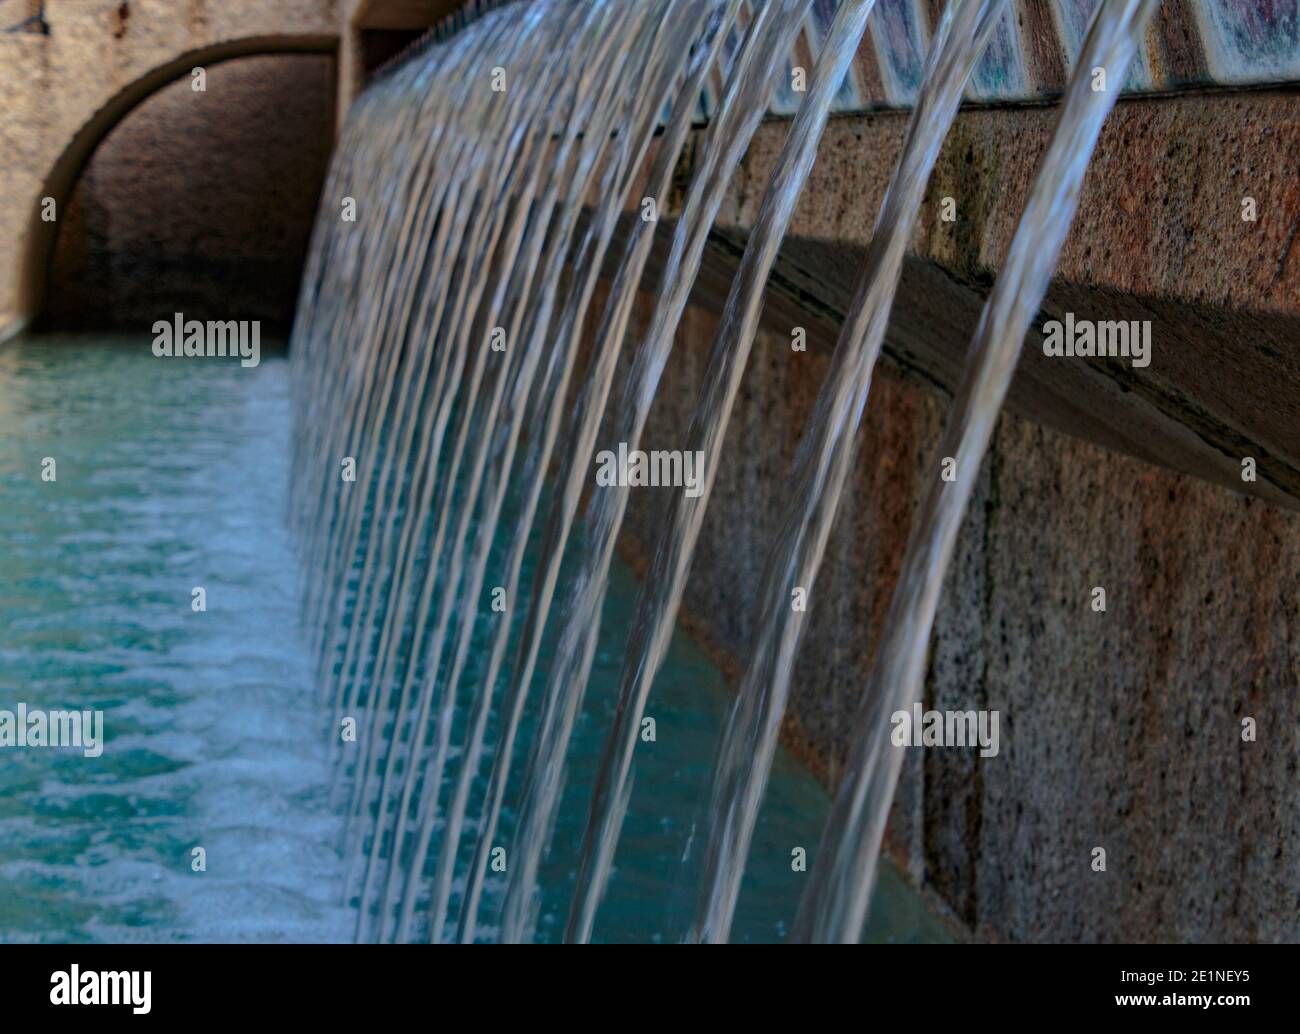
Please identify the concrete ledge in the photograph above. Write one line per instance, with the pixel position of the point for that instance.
(1159, 237)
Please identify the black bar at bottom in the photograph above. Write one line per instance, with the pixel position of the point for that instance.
(339, 984)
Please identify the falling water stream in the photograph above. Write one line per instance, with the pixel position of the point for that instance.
(560, 199)
(767, 43)
(835, 904)
(663, 591)
(578, 452)
(671, 50)
(821, 468)
(448, 392)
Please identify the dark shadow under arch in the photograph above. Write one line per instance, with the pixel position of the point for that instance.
(34, 269)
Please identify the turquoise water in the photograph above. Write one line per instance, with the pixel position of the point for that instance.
(170, 475)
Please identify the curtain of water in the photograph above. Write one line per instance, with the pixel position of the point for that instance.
(465, 243)
(462, 193)
(371, 314)
(576, 457)
(824, 459)
(657, 608)
(437, 339)
(437, 126)
(370, 598)
(835, 904)
(765, 52)
(333, 324)
(518, 226)
(649, 27)
(672, 48)
(461, 130)
(542, 223)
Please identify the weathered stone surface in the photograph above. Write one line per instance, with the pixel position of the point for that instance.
(1119, 729)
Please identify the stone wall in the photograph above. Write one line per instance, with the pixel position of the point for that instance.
(1122, 729)
(200, 203)
(1119, 729)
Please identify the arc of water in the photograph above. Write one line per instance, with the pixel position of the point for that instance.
(330, 552)
(836, 901)
(661, 596)
(461, 182)
(466, 158)
(512, 300)
(822, 464)
(672, 50)
(527, 232)
(449, 241)
(445, 208)
(613, 155)
(369, 295)
(330, 384)
(473, 258)
(563, 191)
(774, 28)
(472, 253)
(577, 453)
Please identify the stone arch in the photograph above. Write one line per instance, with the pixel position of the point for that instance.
(38, 237)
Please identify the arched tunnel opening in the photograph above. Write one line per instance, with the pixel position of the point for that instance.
(198, 201)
